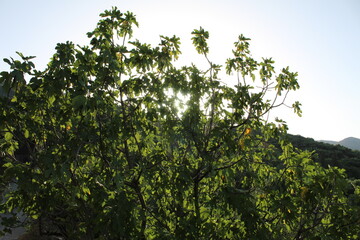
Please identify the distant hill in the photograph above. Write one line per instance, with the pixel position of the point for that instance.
(329, 142)
(350, 142)
(332, 154)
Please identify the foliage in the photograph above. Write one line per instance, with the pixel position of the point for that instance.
(333, 155)
(121, 144)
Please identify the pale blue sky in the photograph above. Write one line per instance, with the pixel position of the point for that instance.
(319, 39)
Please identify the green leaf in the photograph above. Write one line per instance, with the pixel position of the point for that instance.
(7, 61)
(23, 57)
(26, 133)
(8, 136)
(51, 100)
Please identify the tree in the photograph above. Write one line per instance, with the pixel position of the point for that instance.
(121, 144)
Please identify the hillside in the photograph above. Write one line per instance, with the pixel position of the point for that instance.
(350, 142)
(330, 154)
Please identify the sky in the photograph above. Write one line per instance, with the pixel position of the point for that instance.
(318, 39)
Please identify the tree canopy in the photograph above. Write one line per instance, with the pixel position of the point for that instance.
(113, 141)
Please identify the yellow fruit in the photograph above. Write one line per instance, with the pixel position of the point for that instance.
(223, 178)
